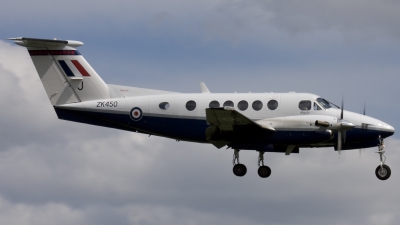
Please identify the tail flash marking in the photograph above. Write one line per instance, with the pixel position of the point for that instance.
(73, 68)
(66, 69)
(80, 68)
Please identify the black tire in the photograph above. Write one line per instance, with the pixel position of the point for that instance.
(239, 170)
(264, 171)
(383, 173)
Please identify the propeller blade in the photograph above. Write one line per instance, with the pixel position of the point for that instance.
(339, 142)
(341, 113)
(365, 111)
(342, 127)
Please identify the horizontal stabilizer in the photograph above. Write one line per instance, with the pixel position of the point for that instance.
(42, 43)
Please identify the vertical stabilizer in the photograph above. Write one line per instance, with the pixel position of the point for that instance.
(65, 74)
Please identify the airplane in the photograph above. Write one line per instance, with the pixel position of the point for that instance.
(264, 122)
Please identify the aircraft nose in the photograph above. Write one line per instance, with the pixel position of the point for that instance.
(381, 128)
(387, 130)
(391, 130)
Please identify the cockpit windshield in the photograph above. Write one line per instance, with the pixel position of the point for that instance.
(326, 104)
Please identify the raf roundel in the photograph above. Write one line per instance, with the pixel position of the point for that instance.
(136, 114)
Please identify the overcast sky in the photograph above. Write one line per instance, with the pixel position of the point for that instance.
(58, 172)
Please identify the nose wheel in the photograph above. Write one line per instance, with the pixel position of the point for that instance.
(383, 171)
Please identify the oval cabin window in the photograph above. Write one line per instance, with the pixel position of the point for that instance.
(243, 105)
(214, 104)
(191, 105)
(272, 104)
(257, 105)
(229, 103)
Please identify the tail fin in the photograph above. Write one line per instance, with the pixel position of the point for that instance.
(66, 76)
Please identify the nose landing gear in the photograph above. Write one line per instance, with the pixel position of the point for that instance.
(383, 171)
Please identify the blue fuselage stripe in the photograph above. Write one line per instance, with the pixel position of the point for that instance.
(194, 129)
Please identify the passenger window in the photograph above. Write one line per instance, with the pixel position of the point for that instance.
(272, 104)
(214, 104)
(164, 105)
(191, 105)
(229, 103)
(243, 105)
(305, 105)
(257, 105)
(316, 107)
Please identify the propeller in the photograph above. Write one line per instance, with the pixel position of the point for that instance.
(365, 108)
(342, 127)
(364, 112)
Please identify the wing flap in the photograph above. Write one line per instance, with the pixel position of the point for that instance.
(227, 118)
(228, 125)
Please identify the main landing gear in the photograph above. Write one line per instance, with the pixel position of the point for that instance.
(383, 171)
(240, 170)
(263, 171)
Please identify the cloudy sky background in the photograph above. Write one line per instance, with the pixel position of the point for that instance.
(58, 172)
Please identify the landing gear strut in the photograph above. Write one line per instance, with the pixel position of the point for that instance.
(383, 171)
(238, 169)
(263, 171)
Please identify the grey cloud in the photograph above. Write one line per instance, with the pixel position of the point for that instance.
(24, 99)
(270, 20)
(255, 20)
(54, 171)
(46, 214)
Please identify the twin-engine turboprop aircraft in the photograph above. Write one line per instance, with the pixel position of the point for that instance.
(264, 122)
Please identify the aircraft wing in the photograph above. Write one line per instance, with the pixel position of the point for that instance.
(228, 125)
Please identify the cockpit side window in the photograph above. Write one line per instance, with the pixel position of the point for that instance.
(305, 105)
(326, 104)
(316, 106)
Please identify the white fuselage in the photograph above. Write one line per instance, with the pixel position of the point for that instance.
(176, 121)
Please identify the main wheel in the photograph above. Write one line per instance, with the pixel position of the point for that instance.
(239, 170)
(264, 171)
(383, 173)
